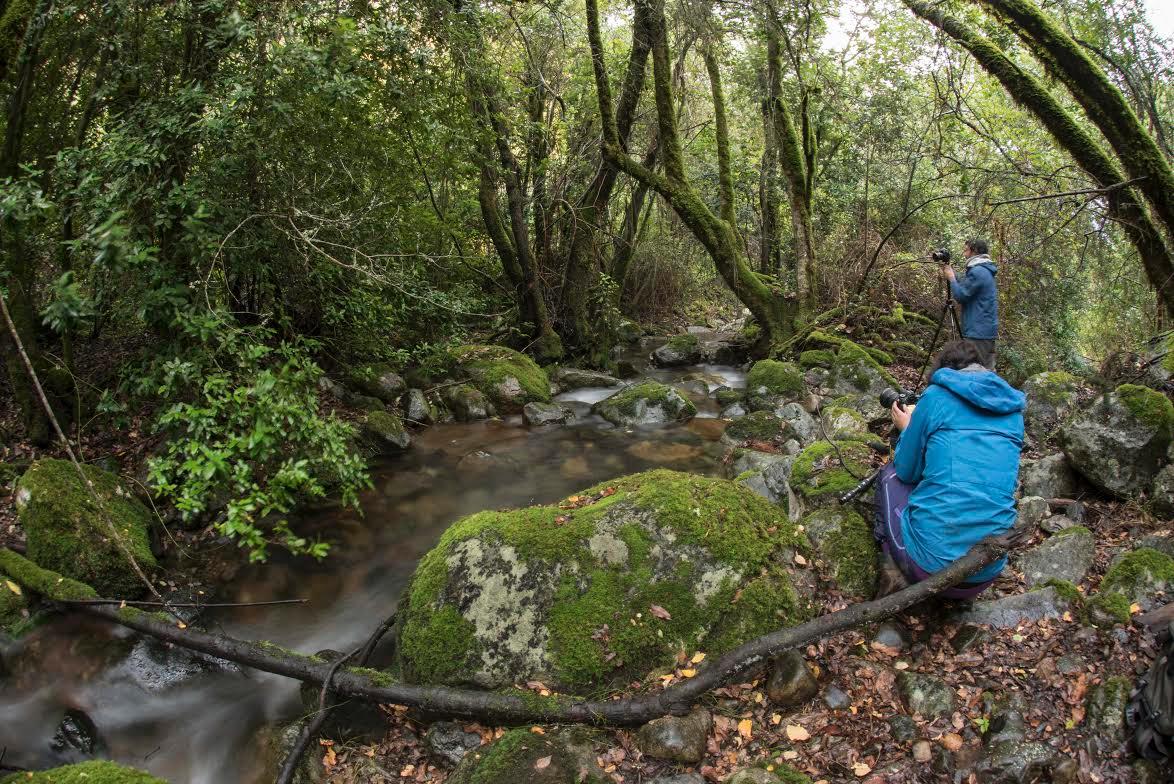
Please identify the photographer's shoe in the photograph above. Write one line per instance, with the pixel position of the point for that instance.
(889, 577)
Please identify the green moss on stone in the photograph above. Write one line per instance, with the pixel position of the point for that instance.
(683, 343)
(1054, 388)
(1065, 589)
(818, 472)
(42, 582)
(1072, 529)
(439, 645)
(817, 357)
(778, 378)
(882, 357)
(788, 775)
(653, 394)
(1148, 406)
(1168, 350)
(513, 756)
(92, 772)
(1112, 604)
(1142, 565)
(757, 426)
(728, 397)
(851, 550)
(13, 604)
(67, 533)
(491, 366)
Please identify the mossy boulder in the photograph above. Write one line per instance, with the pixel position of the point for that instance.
(1106, 609)
(845, 424)
(761, 426)
(67, 533)
(649, 403)
(383, 433)
(845, 541)
(728, 397)
(92, 772)
(1162, 493)
(563, 757)
(1050, 398)
(854, 369)
(467, 403)
(817, 357)
(378, 381)
(508, 378)
(867, 406)
(1119, 443)
(600, 589)
(771, 384)
(826, 470)
(679, 351)
(1141, 576)
(568, 378)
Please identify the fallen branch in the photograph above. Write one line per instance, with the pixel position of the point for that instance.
(197, 605)
(513, 709)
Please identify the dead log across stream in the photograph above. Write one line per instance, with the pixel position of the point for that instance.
(506, 708)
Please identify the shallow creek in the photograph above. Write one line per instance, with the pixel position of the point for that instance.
(191, 720)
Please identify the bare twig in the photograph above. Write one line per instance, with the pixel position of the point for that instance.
(1083, 192)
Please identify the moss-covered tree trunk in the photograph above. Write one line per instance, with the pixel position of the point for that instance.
(716, 233)
(1027, 90)
(770, 258)
(1100, 99)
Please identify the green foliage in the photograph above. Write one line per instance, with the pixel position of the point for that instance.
(246, 436)
(92, 772)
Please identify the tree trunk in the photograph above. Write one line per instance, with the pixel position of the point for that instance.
(1029, 92)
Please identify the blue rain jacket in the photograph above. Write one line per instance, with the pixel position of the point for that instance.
(961, 450)
(980, 299)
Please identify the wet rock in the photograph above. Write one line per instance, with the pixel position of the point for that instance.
(1010, 611)
(1161, 493)
(1016, 763)
(728, 397)
(66, 534)
(76, 738)
(1032, 511)
(384, 433)
(968, 636)
(676, 738)
(733, 411)
(790, 683)
(1048, 477)
(558, 757)
(802, 424)
(723, 351)
(573, 378)
(157, 668)
(845, 541)
(505, 591)
(626, 369)
(1065, 556)
(927, 695)
(1057, 523)
(448, 741)
(1119, 443)
(538, 414)
(377, 381)
(903, 728)
(467, 403)
(646, 404)
(836, 698)
(1050, 398)
(694, 389)
(681, 350)
(893, 636)
(506, 378)
(417, 409)
(1105, 706)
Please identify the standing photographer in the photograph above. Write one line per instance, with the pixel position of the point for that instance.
(952, 478)
(979, 297)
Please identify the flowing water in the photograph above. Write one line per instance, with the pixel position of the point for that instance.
(190, 719)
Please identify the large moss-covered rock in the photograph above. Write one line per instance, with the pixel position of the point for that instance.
(600, 589)
(508, 378)
(854, 370)
(1141, 575)
(649, 403)
(383, 433)
(467, 403)
(92, 772)
(1119, 443)
(1050, 398)
(844, 424)
(67, 533)
(826, 470)
(378, 381)
(771, 384)
(761, 426)
(563, 757)
(845, 541)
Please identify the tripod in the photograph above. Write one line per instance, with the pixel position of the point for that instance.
(955, 326)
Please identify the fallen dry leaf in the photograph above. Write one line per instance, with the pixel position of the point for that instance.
(746, 728)
(952, 741)
(697, 658)
(688, 673)
(861, 770)
(541, 763)
(13, 587)
(660, 612)
(797, 733)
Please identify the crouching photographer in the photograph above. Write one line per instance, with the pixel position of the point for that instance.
(952, 478)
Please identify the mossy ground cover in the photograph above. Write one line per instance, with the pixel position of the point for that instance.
(845, 541)
(737, 528)
(92, 772)
(67, 532)
(1148, 406)
(777, 378)
(757, 426)
(818, 471)
(489, 366)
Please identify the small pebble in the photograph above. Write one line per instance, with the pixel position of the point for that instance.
(922, 751)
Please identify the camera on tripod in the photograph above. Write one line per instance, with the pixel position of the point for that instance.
(941, 256)
(906, 397)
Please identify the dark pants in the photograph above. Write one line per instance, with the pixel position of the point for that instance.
(986, 352)
(892, 496)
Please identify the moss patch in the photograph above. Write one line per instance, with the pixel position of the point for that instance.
(739, 531)
(845, 541)
(1054, 388)
(684, 343)
(728, 397)
(13, 604)
(818, 471)
(627, 402)
(68, 534)
(817, 357)
(491, 367)
(512, 758)
(849, 356)
(92, 772)
(757, 426)
(1148, 406)
(43, 582)
(1111, 604)
(1138, 568)
(778, 378)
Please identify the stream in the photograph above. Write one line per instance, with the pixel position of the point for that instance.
(193, 720)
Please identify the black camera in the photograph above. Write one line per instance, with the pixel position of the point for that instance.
(941, 256)
(906, 397)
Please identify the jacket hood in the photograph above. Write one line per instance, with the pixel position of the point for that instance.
(983, 389)
(982, 260)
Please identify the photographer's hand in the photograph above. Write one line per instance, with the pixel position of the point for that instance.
(948, 272)
(901, 416)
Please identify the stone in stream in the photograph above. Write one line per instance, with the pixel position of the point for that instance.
(509, 379)
(66, 533)
(467, 403)
(377, 381)
(761, 427)
(77, 738)
(538, 414)
(568, 378)
(1067, 556)
(449, 741)
(600, 589)
(562, 756)
(417, 409)
(383, 433)
(679, 351)
(1119, 443)
(790, 683)
(649, 403)
(676, 738)
(733, 411)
